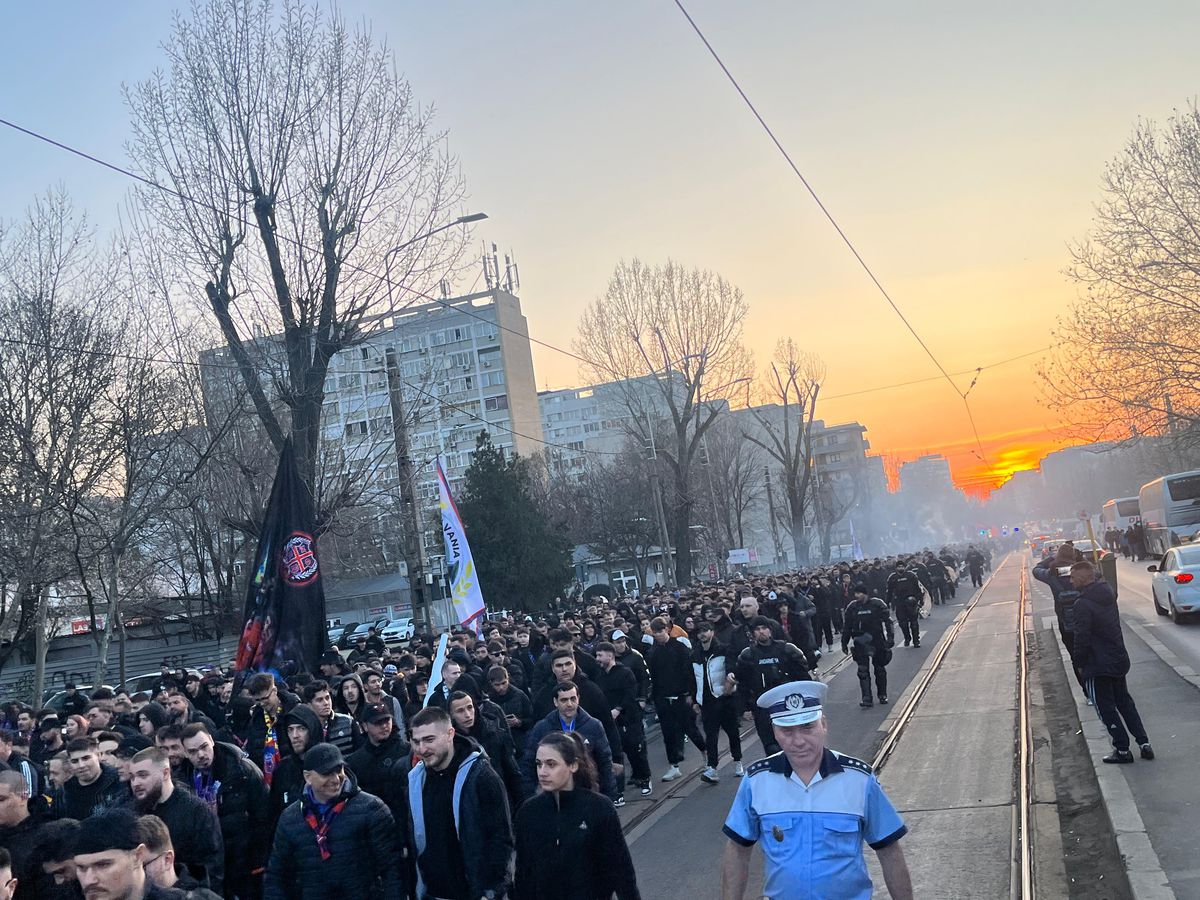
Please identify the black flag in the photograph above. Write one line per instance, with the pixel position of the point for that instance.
(284, 627)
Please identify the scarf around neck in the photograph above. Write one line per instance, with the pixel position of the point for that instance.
(320, 816)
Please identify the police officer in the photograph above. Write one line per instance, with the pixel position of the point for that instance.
(790, 801)
(868, 637)
(765, 664)
(904, 596)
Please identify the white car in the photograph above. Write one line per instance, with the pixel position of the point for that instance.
(398, 630)
(1175, 587)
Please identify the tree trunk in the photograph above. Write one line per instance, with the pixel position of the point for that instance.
(112, 608)
(683, 536)
(799, 540)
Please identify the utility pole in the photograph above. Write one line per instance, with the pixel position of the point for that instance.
(656, 489)
(706, 461)
(771, 516)
(414, 541)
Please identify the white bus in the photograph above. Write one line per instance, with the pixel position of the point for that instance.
(1170, 510)
(1119, 513)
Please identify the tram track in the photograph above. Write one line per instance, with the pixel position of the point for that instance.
(1022, 882)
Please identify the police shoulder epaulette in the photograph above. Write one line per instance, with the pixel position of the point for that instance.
(763, 765)
(850, 762)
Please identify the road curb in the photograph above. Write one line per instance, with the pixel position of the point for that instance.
(1147, 879)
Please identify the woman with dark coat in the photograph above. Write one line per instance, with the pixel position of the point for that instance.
(569, 840)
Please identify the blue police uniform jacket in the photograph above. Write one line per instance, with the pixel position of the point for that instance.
(812, 836)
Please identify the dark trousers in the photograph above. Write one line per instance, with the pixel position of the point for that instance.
(633, 742)
(676, 719)
(716, 715)
(823, 626)
(879, 657)
(910, 622)
(1068, 639)
(1113, 703)
(766, 734)
(976, 577)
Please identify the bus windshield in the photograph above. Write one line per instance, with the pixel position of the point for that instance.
(1127, 508)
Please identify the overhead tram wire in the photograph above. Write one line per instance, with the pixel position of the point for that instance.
(900, 384)
(149, 182)
(832, 221)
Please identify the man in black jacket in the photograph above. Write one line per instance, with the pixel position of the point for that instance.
(92, 786)
(591, 698)
(336, 842)
(672, 685)
(265, 744)
(621, 692)
(232, 785)
(495, 740)
(765, 664)
(335, 728)
(108, 859)
(904, 596)
(636, 663)
(1101, 658)
(302, 729)
(195, 832)
(868, 627)
(381, 766)
(462, 834)
(514, 703)
(20, 827)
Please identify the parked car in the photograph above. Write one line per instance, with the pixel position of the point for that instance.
(146, 682)
(339, 633)
(398, 630)
(54, 698)
(1175, 587)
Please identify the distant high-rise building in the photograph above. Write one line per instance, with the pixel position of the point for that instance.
(927, 475)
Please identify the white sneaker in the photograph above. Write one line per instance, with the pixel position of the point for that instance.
(710, 775)
(672, 773)
(738, 769)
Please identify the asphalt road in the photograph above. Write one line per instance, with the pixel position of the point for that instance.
(677, 847)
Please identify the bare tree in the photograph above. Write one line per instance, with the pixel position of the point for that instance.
(833, 496)
(617, 515)
(1125, 360)
(788, 389)
(671, 340)
(733, 477)
(300, 170)
(57, 369)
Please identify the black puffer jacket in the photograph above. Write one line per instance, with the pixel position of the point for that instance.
(363, 863)
(1099, 645)
(75, 801)
(571, 848)
(242, 808)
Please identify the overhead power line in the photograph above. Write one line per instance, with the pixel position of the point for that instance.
(150, 182)
(832, 221)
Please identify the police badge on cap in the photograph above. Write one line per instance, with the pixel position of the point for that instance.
(794, 703)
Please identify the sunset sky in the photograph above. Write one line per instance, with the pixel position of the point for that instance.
(960, 145)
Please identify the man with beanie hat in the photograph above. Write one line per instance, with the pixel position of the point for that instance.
(109, 859)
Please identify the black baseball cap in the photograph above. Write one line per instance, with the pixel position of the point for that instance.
(374, 714)
(323, 759)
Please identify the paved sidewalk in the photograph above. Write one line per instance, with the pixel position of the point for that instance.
(1154, 806)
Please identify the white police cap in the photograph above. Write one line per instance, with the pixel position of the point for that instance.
(794, 703)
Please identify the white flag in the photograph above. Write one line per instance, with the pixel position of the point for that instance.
(460, 567)
(855, 547)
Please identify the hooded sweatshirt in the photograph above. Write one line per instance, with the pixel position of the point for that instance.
(288, 780)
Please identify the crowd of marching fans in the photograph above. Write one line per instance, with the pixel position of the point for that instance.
(499, 774)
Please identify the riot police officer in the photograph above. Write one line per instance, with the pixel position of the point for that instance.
(904, 596)
(868, 637)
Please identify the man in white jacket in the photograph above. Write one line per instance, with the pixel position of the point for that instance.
(715, 699)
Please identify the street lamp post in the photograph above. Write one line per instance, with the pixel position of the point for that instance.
(461, 220)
